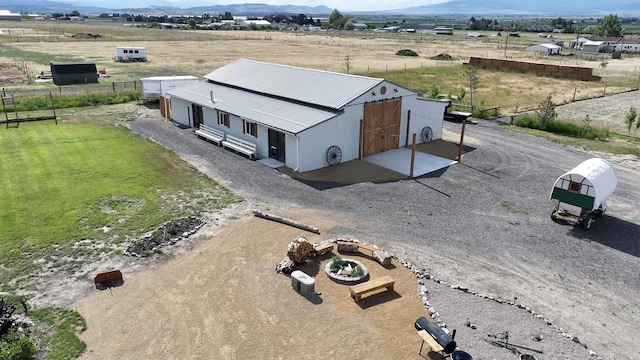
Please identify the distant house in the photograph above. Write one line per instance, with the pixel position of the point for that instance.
(628, 45)
(443, 30)
(549, 49)
(360, 26)
(593, 46)
(256, 23)
(606, 43)
(8, 15)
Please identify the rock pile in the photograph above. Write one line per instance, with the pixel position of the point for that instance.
(167, 234)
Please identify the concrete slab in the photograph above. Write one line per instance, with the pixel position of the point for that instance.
(399, 160)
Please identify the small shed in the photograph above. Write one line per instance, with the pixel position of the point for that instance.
(74, 73)
(587, 185)
(549, 49)
(593, 46)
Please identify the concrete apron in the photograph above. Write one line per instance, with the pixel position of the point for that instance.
(399, 160)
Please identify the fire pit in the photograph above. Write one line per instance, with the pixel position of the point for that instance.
(346, 270)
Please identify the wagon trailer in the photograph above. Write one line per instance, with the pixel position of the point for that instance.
(583, 191)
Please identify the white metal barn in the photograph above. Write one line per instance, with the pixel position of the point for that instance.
(549, 49)
(301, 116)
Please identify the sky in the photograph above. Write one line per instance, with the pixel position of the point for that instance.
(342, 5)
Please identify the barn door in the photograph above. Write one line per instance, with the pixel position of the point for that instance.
(381, 126)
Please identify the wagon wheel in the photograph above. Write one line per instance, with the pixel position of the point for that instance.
(427, 134)
(334, 155)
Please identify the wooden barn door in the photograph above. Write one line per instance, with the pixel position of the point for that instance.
(381, 126)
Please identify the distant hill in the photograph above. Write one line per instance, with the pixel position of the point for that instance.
(454, 7)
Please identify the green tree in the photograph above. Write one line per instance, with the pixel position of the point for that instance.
(546, 112)
(335, 16)
(192, 23)
(75, 13)
(471, 73)
(630, 117)
(610, 26)
(227, 16)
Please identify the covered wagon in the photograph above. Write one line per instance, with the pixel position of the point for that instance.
(583, 191)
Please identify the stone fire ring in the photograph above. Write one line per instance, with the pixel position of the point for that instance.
(344, 278)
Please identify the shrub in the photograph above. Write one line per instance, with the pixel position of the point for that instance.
(528, 121)
(357, 271)
(336, 262)
(406, 52)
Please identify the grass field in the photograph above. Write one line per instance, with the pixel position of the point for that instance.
(74, 191)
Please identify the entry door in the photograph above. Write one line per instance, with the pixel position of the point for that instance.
(276, 145)
(197, 115)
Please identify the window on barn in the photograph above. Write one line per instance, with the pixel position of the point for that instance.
(250, 128)
(126, 51)
(574, 187)
(223, 119)
(135, 51)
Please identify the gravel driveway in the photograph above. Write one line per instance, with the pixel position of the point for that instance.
(484, 224)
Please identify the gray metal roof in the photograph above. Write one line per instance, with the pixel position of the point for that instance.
(284, 115)
(323, 88)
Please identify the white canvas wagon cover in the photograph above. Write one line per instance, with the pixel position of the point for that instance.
(587, 185)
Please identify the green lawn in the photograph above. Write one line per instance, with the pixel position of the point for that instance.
(91, 181)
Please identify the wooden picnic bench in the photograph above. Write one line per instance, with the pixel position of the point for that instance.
(433, 344)
(210, 134)
(240, 146)
(323, 248)
(379, 255)
(372, 285)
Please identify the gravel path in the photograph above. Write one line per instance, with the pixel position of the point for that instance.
(486, 227)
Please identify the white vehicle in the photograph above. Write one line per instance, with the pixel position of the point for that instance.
(129, 54)
(582, 192)
(156, 86)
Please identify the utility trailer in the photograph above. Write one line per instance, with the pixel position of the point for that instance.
(130, 54)
(583, 191)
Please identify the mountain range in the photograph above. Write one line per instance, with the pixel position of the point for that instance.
(462, 7)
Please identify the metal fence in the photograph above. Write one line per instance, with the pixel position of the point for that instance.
(103, 87)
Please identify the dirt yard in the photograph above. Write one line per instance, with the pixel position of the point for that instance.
(227, 300)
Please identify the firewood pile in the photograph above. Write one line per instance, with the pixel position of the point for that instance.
(299, 251)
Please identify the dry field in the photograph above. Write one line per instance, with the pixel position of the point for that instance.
(173, 52)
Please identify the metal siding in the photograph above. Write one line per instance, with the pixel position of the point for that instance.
(274, 113)
(323, 88)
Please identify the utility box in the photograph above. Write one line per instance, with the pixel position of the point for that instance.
(303, 283)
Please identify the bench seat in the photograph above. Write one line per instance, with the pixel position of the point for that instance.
(211, 134)
(372, 285)
(240, 146)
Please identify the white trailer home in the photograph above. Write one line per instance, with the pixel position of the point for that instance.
(130, 54)
(304, 118)
(156, 87)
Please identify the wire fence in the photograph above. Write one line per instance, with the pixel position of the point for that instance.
(103, 87)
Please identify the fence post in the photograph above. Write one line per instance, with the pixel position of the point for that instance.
(604, 91)
(135, 85)
(113, 85)
(60, 89)
(574, 93)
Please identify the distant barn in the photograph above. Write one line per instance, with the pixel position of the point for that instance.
(74, 73)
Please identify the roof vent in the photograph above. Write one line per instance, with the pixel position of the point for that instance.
(213, 100)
